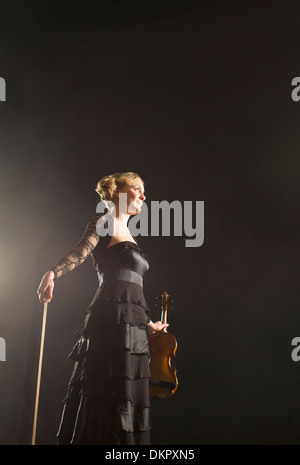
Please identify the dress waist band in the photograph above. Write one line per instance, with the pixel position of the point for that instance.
(121, 275)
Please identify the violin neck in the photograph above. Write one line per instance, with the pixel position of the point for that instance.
(164, 316)
(164, 319)
(164, 309)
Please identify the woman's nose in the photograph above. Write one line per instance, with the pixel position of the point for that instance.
(142, 197)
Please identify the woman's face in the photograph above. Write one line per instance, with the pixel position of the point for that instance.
(135, 197)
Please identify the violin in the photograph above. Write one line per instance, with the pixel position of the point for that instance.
(163, 345)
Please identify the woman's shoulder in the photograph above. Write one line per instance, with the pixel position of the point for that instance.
(99, 224)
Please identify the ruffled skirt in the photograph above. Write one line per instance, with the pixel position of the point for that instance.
(107, 400)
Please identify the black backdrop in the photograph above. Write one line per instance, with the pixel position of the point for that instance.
(196, 98)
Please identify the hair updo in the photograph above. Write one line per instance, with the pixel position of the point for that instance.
(109, 184)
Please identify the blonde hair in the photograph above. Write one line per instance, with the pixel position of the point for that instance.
(109, 184)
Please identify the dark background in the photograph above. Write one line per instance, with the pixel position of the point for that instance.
(196, 98)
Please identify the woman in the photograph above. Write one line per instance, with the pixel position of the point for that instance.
(107, 399)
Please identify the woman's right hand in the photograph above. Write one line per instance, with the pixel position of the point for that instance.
(45, 290)
(156, 327)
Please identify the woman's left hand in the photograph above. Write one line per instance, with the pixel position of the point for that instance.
(156, 327)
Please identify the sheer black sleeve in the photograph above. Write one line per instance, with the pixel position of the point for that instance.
(80, 253)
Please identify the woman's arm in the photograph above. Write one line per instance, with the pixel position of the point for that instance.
(70, 261)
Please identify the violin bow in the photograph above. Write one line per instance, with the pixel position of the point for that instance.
(39, 373)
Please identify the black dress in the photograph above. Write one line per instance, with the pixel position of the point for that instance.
(107, 399)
